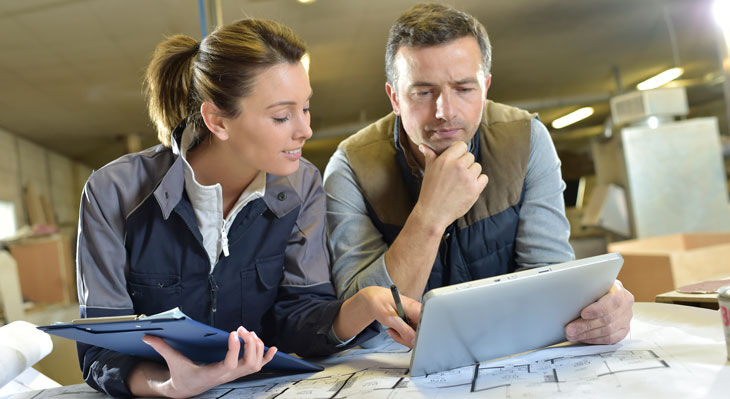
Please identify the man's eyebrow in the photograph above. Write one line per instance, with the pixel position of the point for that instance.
(467, 81)
(422, 84)
(458, 82)
(288, 102)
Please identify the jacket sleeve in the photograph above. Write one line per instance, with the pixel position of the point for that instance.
(306, 304)
(101, 282)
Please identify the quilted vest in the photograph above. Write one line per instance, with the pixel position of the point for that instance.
(477, 245)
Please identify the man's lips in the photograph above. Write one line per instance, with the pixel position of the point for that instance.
(447, 132)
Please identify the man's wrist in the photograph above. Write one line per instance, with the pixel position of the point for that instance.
(427, 221)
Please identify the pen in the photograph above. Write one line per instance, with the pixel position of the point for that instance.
(398, 304)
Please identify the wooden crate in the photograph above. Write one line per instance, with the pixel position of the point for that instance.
(659, 264)
(46, 270)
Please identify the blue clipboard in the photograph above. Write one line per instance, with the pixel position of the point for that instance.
(200, 342)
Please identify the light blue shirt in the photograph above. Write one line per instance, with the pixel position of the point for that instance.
(358, 249)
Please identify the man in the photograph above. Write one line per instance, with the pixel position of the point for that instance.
(451, 187)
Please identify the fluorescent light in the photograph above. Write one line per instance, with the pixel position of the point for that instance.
(306, 1)
(721, 12)
(305, 62)
(571, 118)
(660, 79)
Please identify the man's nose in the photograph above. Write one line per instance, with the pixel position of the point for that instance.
(445, 106)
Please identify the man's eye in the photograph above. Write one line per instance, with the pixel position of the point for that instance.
(465, 89)
(423, 93)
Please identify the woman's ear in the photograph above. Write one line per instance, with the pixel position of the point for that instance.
(214, 120)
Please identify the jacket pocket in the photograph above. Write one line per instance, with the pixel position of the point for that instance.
(259, 290)
(269, 271)
(154, 293)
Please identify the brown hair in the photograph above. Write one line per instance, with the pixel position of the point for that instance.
(221, 69)
(429, 24)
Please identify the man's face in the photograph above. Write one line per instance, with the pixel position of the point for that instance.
(441, 91)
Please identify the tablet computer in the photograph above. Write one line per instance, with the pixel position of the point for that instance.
(494, 317)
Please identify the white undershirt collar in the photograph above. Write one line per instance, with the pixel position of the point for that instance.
(207, 202)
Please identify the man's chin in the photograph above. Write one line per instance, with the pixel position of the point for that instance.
(442, 145)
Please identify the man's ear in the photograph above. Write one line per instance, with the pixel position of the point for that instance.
(487, 83)
(390, 91)
(214, 120)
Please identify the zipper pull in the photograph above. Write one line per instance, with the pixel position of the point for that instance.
(224, 240)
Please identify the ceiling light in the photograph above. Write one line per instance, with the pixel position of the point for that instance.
(660, 79)
(306, 1)
(305, 62)
(721, 12)
(572, 117)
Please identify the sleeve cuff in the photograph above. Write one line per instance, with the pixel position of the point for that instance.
(333, 337)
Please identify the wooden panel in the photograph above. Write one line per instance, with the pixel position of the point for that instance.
(645, 276)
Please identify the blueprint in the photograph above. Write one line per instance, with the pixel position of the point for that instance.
(383, 373)
(663, 357)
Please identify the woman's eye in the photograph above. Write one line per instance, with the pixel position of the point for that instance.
(281, 120)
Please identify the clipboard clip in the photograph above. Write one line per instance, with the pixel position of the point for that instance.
(107, 319)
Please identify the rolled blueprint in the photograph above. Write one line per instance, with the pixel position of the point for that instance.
(21, 346)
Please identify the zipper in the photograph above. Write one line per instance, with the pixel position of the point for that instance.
(213, 298)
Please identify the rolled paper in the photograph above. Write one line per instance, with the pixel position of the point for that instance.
(21, 346)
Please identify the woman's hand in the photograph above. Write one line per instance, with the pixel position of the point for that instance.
(184, 378)
(376, 303)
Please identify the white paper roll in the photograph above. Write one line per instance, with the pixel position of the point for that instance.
(21, 346)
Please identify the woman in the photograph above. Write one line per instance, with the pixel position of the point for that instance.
(223, 219)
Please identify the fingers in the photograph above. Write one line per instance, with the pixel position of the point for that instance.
(607, 304)
(167, 352)
(269, 355)
(606, 321)
(613, 337)
(253, 352)
(482, 181)
(399, 339)
(412, 309)
(456, 151)
(234, 348)
(466, 161)
(402, 334)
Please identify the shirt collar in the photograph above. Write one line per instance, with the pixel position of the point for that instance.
(169, 191)
(279, 194)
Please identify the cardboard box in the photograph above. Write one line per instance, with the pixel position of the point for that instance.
(660, 264)
(46, 270)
